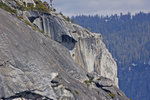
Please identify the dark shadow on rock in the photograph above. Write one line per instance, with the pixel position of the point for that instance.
(68, 42)
(32, 18)
(27, 95)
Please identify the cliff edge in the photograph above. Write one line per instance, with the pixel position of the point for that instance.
(86, 48)
(65, 61)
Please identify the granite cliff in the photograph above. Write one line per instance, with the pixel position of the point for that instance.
(86, 48)
(67, 62)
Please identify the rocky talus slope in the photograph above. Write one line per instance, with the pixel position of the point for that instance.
(67, 62)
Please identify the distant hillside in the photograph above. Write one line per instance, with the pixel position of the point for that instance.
(128, 39)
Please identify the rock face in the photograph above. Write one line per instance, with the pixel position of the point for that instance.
(93, 55)
(67, 63)
(30, 59)
(33, 66)
(86, 48)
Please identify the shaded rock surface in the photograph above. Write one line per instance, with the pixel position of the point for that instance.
(86, 48)
(34, 66)
(29, 59)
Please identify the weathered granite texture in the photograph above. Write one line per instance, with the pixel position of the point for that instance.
(86, 48)
(28, 59)
(33, 66)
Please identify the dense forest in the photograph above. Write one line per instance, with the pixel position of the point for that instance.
(128, 39)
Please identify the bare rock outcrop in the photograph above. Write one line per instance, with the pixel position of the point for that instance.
(86, 48)
(33, 66)
(67, 62)
(29, 59)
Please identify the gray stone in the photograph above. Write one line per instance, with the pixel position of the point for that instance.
(104, 82)
(86, 48)
(26, 63)
(30, 61)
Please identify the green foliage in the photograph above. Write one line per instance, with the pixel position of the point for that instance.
(30, 6)
(99, 78)
(130, 99)
(72, 21)
(61, 14)
(89, 29)
(27, 22)
(42, 32)
(41, 7)
(24, 8)
(90, 80)
(33, 27)
(54, 10)
(21, 7)
(73, 55)
(66, 18)
(7, 8)
(76, 92)
(87, 83)
(20, 17)
(112, 95)
(57, 76)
